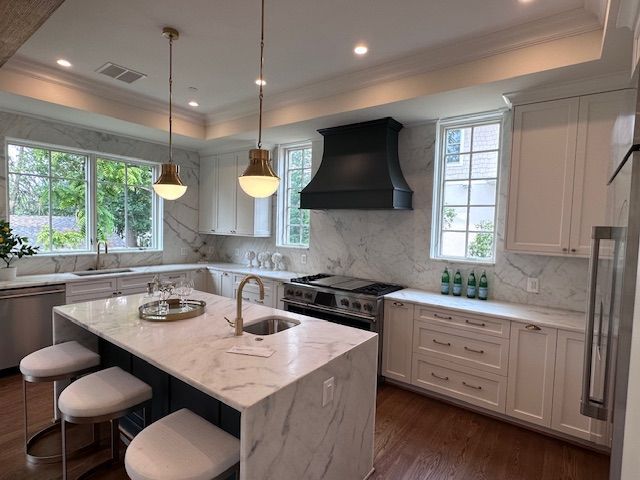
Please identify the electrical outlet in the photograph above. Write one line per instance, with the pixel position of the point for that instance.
(328, 389)
(184, 252)
(303, 259)
(236, 252)
(532, 285)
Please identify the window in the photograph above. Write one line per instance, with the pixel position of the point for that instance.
(293, 223)
(62, 200)
(465, 189)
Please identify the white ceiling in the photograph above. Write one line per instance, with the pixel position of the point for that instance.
(306, 40)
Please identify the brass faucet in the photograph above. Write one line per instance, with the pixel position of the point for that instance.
(239, 323)
(106, 251)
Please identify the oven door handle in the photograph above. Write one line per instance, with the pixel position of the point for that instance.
(335, 311)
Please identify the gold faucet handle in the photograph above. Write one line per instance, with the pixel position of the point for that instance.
(232, 324)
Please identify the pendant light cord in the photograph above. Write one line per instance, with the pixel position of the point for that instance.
(170, 98)
(261, 78)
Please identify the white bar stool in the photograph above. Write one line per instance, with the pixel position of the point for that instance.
(64, 361)
(107, 395)
(183, 446)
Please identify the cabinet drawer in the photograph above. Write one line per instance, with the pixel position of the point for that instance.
(251, 292)
(484, 352)
(478, 388)
(105, 285)
(486, 325)
(137, 282)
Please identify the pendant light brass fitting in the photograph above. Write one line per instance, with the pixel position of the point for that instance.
(170, 33)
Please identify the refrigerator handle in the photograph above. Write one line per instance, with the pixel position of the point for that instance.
(588, 406)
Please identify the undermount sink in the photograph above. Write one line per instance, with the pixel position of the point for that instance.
(270, 325)
(90, 273)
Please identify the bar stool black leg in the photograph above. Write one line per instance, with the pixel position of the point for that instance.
(64, 449)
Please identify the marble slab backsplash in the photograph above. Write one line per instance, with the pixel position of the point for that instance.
(180, 216)
(393, 246)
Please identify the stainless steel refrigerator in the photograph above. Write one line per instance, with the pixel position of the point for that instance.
(611, 379)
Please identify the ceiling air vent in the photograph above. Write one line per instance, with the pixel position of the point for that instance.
(119, 72)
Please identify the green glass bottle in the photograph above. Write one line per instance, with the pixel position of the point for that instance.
(457, 284)
(483, 287)
(471, 285)
(445, 283)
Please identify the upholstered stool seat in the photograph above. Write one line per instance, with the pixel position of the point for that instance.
(107, 395)
(106, 392)
(182, 446)
(63, 361)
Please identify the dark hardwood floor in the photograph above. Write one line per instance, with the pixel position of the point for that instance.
(417, 438)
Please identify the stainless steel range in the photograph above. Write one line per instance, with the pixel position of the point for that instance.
(348, 301)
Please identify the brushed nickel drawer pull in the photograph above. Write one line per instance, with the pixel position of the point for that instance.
(473, 350)
(478, 387)
(446, 344)
(439, 377)
(259, 301)
(398, 304)
(475, 324)
(246, 299)
(533, 328)
(444, 317)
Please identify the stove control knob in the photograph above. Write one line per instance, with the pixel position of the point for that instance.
(344, 302)
(298, 293)
(289, 291)
(308, 296)
(368, 307)
(356, 305)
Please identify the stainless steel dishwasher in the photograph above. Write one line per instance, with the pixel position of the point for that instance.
(25, 321)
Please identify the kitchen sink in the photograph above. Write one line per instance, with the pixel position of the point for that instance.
(270, 325)
(91, 273)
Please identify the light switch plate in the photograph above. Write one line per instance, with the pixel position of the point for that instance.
(328, 389)
(532, 285)
(303, 259)
(236, 252)
(184, 252)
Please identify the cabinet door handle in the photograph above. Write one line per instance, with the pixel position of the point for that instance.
(259, 301)
(439, 377)
(246, 299)
(446, 344)
(473, 350)
(533, 328)
(444, 317)
(398, 304)
(475, 324)
(564, 249)
(475, 387)
(573, 250)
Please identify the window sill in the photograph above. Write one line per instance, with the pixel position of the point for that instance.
(294, 247)
(465, 261)
(83, 253)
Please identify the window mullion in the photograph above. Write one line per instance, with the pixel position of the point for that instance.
(50, 199)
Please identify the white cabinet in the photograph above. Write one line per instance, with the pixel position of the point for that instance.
(226, 285)
(541, 186)
(397, 341)
(208, 199)
(224, 207)
(215, 282)
(251, 291)
(559, 170)
(532, 356)
(567, 391)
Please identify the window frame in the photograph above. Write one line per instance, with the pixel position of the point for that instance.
(91, 196)
(469, 121)
(283, 203)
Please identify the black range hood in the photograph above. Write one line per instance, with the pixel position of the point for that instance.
(359, 169)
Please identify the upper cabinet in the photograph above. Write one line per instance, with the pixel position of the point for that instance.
(559, 171)
(224, 207)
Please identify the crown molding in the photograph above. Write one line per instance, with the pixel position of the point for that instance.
(21, 65)
(598, 84)
(570, 23)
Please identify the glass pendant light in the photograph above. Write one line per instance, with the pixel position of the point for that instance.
(259, 180)
(169, 185)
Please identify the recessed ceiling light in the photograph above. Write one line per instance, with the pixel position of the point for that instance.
(193, 103)
(63, 63)
(260, 81)
(360, 49)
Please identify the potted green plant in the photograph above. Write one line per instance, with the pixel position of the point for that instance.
(11, 247)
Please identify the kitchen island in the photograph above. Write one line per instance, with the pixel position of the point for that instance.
(285, 431)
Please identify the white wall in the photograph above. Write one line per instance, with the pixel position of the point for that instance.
(393, 246)
(180, 217)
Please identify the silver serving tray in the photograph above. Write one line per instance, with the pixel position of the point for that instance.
(150, 311)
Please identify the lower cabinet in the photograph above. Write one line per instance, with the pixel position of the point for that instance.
(567, 390)
(532, 356)
(397, 341)
(251, 292)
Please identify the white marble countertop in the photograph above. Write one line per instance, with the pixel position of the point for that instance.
(68, 277)
(543, 316)
(195, 350)
(278, 275)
